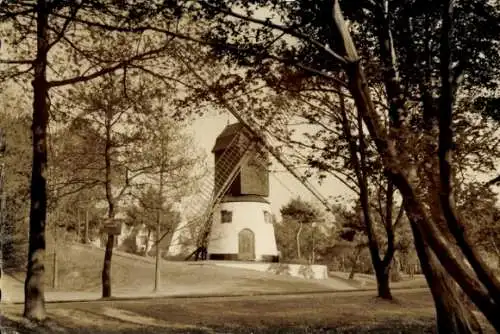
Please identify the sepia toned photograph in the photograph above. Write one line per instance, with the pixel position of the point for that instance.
(249, 166)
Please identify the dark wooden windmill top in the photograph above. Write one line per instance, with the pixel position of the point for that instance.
(252, 178)
(227, 135)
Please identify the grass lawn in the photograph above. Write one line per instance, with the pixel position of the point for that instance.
(347, 312)
(344, 312)
(79, 269)
(364, 281)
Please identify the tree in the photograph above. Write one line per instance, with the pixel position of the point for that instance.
(299, 213)
(173, 169)
(367, 169)
(421, 221)
(285, 240)
(480, 210)
(352, 230)
(145, 214)
(110, 123)
(319, 43)
(61, 43)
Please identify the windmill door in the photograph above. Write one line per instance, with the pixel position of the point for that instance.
(246, 245)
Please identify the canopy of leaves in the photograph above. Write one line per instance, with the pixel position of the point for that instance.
(300, 212)
(479, 208)
(149, 205)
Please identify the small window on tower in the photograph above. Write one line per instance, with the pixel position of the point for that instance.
(267, 217)
(226, 216)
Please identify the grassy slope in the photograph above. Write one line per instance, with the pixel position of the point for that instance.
(80, 270)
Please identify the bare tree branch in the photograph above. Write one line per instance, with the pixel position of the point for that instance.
(9, 76)
(16, 61)
(66, 24)
(399, 217)
(103, 71)
(164, 78)
(493, 181)
(288, 30)
(141, 29)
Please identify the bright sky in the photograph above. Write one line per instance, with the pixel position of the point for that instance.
(283, 186)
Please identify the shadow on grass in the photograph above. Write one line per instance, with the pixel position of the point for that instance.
(9, 326)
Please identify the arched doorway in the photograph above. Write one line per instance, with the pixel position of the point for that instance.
(246, 245)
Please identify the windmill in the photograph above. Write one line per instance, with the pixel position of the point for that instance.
(234, 150)
(239, 189)
(232, 216)
(248, 140)
(241, 226)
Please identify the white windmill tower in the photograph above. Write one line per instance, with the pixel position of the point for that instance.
(241, 227)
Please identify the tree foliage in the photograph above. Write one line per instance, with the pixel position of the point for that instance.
(298, 216)
(61, 43)
(15, 161)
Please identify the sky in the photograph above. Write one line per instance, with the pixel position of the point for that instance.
(283, 185)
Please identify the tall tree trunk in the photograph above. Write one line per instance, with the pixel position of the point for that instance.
(86, 235)
(382, 273)
(381, 267)
(297, 237)
(445, 153)
(452, 315)
(34, 301)
(146, 246)
(2, 201)
(106, 268)
(158, 228)
(158, 258)
(454, 264)
(357, 253)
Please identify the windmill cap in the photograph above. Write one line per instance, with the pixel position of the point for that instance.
(227, 135)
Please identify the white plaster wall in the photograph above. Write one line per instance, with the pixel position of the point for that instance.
(175, 247)
(125, 232)
(224, 237)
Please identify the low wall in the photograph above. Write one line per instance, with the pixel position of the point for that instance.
(308, 271)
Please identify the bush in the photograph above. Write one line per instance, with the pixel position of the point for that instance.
(129, 245)
(296, 261)
(14, 245)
